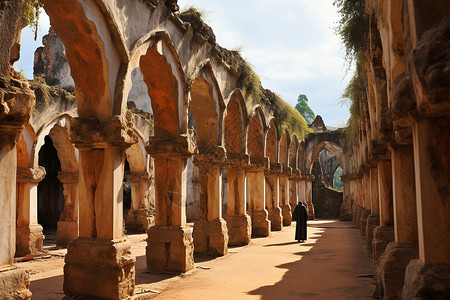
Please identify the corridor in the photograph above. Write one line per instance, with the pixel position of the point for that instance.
(332, 264)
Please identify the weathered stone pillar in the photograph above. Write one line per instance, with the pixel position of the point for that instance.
(365, 193)
(293, 189)
(67, 229)
(346, 207)
(256, 204)
(29, 236)
(383, 234)
(373, 220)
(99, 262)
(394, 260)
(210, 229)
(308, 196)
(239, 224)
(272, 197)
(284, 198)
(140, 216)
(170, 245)
(429, 275)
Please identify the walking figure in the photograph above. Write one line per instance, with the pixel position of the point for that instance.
(300, 216)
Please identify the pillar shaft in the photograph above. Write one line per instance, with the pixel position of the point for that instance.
(29, 237)
(431, 164)
(404, 195)
(238, 222)
(385, 192)
(308, 198)
(257, 207)
(140, 217)
(273, 201)
(284, 199)
(210, 231)
(68, 222)
(374, 200)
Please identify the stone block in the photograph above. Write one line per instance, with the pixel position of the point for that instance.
(260, 222)
(102, 269)
(391, 269)
(426, 281)
(373, 221)
(287, 216)
(29, 239)
(210, 237)
(14, 283)
(170, 249)
(239, 230)
(382, 236)
(276, 219)
(66, 232)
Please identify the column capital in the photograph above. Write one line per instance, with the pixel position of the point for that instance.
(215, 157)
(139, 176)
(89, 133)
(167, 146)
(240, 162)
(275, 168)
(30, 175)
(258, 164)
(68, 177)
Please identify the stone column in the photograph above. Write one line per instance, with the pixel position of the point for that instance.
(398, 254)
(67, 229)
(373, 220)
(239, 224)
(256, 204)
(284, 197)
(293, 189)
(383, 234)
(169, 245)
(16, 281)
(272, 197)
(308, 196)
(431, 272)
(365, 210)
(140, 216)
(29, 236)
(210, 229)
(346, 207)
(99, 262)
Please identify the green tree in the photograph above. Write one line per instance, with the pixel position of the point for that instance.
(304, 109)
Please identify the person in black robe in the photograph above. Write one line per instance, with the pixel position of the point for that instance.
(300, 216)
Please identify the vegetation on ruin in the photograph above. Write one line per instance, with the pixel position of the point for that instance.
(353, 29)
(31, 15)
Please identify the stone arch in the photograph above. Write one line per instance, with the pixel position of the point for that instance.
(293, 147)
(272, 143)
(235, 124)
(284, 150)
(313, 153)
(256, 135)
(207, 106)
(94, 54)
(164, 77)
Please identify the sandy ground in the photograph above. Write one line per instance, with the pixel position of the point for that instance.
(332, 264)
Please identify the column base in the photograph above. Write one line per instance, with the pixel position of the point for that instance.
(210, 237)
(426, 281)
(102, 269)
(239, 230)
(66, 232)
(286, 213)
(363, 221)
(170, 249)
(14, 283)
(29, 239)
(139, 221)
(382, 236)
(391, 270)
(346, 212)
(373, 221)
(260, 222)
(276, 219)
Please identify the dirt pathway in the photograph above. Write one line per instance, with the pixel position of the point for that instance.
(328, 266)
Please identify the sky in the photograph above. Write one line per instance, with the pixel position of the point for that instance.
(290, 44)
